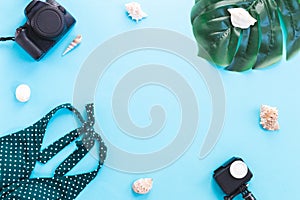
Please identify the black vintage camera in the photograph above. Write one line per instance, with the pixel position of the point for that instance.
(47, 23)
(233, 177)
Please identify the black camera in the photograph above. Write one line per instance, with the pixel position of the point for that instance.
(233, 177)
(47, 23)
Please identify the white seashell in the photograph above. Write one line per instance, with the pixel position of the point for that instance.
(269, 118)
(135, 11)
(241, 18)
(23, 93)
(73, 44)
(142, 186)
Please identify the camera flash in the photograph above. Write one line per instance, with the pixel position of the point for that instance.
(238, 169)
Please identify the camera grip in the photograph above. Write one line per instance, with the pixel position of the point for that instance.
(27, 44)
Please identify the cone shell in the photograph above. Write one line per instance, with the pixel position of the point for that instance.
(142, 186)
(135, 11)
(73, 44)
(241, 18)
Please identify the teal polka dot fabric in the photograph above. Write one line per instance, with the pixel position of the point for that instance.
(20, 151)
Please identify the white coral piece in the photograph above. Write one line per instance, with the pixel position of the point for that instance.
(135, 11)
(269, 118)
(23, 93)
(142, 186)
(241, 18)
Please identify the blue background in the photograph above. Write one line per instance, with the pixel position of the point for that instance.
(272, 156)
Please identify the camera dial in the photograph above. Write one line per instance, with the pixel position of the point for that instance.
(52, 2)
(48, 22)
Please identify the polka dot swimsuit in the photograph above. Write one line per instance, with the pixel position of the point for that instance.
(20, 151)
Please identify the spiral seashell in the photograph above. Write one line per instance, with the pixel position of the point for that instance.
(73, 44)
(269, 118)
(241, 18)
(135, 11)
(142, 186)
(135, 84)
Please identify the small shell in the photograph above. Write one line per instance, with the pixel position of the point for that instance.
(241, 18)
(142, 186)
(23, 93)
(73, 44)
(269, 118)
(135, 11)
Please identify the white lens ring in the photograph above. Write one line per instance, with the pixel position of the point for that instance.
(238, 169)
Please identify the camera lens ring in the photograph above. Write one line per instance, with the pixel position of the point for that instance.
(48, 22)
(238, 169)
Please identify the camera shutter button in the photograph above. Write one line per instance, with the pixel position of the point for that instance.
(62, 9)
(238, 169)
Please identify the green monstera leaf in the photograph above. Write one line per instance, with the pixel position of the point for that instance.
(258, 46)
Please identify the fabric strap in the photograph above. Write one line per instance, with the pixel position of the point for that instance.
(88, 138)
(2, 39)
(68, 106)
(75, 157)
(50, 151)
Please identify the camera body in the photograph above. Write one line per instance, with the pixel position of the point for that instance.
(232, 176)
(47, 22)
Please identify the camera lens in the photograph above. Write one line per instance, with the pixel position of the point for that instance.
(48, 23)
(238, 169)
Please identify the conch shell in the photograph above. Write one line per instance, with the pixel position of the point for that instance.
(73, 44)
(269, 118)
(241, 18)
(142, 186)
(135, 11)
